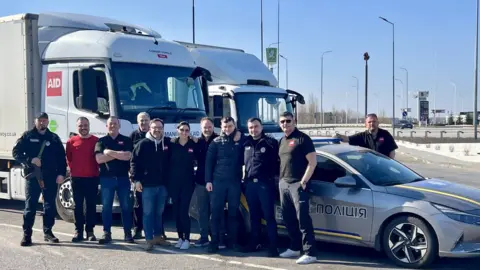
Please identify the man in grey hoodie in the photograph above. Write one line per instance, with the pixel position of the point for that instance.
(150, 169)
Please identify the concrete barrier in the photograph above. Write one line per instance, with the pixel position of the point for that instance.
(462, 151)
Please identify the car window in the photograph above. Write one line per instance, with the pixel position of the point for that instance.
(379, 169)
(327, 170)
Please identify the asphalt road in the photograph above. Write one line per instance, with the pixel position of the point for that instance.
(119, 255)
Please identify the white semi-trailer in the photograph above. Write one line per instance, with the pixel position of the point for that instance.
(243, 87)
(72, 65)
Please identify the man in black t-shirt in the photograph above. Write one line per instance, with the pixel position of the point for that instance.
(297, 164)
(113, 153)
(374, 138)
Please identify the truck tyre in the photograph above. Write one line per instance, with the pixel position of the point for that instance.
(64, 201)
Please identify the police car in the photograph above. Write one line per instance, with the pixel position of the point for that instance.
(360, 197)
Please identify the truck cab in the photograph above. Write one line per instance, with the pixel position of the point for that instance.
(72, 65)
(243, 87)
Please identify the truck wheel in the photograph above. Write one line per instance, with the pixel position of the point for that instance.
(64, 201)
(409, 242)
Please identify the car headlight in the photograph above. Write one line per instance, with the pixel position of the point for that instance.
(458, 215)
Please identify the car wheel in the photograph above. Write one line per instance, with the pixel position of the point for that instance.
(64, 201)
(409, 242)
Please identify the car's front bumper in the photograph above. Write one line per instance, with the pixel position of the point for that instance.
(457, 239)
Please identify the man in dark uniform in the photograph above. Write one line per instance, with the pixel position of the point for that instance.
(42, 156)
(374, 138)
(297, 164)
(261, 166)
(223, 175)
(143, 120)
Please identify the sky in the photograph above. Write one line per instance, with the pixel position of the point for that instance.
(434, 41)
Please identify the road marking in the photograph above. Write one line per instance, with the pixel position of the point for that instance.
(136, 247)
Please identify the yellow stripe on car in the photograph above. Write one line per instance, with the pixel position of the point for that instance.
(441, 193)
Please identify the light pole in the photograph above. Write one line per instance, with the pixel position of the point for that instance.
(286, 67)
(357, 99)
(278, 41)
(193, 20)
(321, 87)
(401, 95)
(261, 28)
(366, 57)
(406, 90)
(393, 71)
(454, 97)
(475, 92)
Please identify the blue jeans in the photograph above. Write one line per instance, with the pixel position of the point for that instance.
(108, 186)
(154, 200)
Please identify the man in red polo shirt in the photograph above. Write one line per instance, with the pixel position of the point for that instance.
(84, 171)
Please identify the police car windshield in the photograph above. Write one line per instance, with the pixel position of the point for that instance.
(379, 169)
(266, 106)
(143, 86)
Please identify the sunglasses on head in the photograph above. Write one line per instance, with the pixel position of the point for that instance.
(288, 121)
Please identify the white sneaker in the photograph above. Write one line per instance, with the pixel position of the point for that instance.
(305, 259)
(185, 245)
(290, 254)
(179, 243)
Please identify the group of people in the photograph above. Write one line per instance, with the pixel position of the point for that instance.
(162, 167)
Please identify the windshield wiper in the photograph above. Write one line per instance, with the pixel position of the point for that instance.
(162, 108)
(417, 180)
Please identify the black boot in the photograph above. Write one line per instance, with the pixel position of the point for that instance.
(91, 236)
(106, 238)
(26, 241)
(78, 237)
(49, 237)
(128, 237)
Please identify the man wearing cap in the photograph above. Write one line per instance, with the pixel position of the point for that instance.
(42, 156)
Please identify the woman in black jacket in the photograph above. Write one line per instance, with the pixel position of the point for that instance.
(182, 181)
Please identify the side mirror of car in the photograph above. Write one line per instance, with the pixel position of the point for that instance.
(346, 182)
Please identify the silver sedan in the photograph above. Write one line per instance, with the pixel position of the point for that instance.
(363, 198)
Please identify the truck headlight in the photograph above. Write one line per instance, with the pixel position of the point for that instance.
(458, 215)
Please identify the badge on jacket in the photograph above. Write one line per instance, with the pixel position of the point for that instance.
(263, 149)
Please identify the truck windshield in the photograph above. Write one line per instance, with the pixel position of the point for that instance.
(266, 106)
(143, 87)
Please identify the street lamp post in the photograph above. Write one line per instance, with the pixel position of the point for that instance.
(393, 71)
(475, 92)
(261, 29)
(357, 99)
(278, 41)
(454, 97)
(193, 20)
(286, 67)
(321, 87)
(366, 57)
(401, 95)
(406, 88)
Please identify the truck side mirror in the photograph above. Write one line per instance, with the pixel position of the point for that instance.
(217, 106)
(87, 82)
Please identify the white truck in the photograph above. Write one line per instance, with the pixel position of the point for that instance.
(72, 65)
(243, 87)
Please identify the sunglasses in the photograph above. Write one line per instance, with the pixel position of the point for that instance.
(288, 121)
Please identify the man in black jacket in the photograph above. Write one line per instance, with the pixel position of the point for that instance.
(42, 155)
(143, 121)
(150, 169)
(223, 175)
(203, 196)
